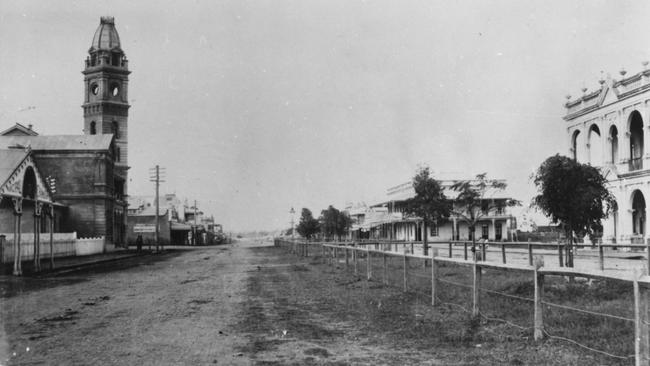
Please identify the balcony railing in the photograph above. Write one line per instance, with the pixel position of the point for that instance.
(636, 164)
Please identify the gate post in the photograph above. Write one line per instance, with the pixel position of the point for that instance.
(539, 293)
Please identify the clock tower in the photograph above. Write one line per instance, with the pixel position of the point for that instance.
(106, 103)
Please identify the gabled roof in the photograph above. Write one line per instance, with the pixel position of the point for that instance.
(19, 130)
(10, 159)
(59, 142)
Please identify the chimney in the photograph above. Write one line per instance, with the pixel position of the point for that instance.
(30, 126)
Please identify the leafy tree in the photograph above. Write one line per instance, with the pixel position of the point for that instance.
(573, 194)
(429, 203)
(334, 223)
(308, 225)
(475, 200)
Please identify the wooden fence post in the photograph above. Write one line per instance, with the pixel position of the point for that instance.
(2, 253)
(483, 251)
(465, 249)
(450, 249)
(476, 286)
(434, 275)
(601, 257)
(354, 256)
(647, 254)
(559, 252)
(530, 253)
(405, 264)
(539, 293)
(641, 351)
(368, 264)
(385, 270)
(503, 252)
(347, 260)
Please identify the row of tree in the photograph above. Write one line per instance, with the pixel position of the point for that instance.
(332, 224)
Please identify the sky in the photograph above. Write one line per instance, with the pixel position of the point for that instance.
(255, 107)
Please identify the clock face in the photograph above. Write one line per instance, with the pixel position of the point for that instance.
(94, 89)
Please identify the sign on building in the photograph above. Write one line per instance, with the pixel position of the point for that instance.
(144, 228)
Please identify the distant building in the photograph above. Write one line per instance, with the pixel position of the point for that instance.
(607, 128)
(387, 219)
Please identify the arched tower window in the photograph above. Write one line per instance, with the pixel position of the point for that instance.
(93, 128)
(636, 141)
(115, 129)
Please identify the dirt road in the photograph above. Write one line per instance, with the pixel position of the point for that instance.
(246, 304)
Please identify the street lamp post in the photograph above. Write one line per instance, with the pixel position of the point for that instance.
(292, 212)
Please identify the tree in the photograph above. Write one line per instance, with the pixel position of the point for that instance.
(308, 225)
(573, 194)
(476, 200)
(334, 223)
(429, 202)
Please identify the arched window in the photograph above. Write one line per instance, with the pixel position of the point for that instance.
(638, 213)
(595, 146)
(115, 129)
(93, 128)
(29, 184)
(613, 144)
(636, 141)
(575, 145)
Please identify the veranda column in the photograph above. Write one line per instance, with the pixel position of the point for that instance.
(494, 230)
(38, 208)
(51, 218)
(18, 211)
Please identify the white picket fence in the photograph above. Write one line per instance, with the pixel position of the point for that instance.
(64, 245)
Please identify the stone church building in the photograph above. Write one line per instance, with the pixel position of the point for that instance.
(82, 179)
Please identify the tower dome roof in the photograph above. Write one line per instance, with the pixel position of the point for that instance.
(106, 37)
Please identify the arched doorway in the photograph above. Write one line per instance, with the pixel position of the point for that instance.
(638, 213)
(636, 141)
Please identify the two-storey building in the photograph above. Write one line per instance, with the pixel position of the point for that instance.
(608, 128)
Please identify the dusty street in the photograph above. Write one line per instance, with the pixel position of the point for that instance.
(244, 304)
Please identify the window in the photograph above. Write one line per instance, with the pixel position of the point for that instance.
(93, 128)
(94, 89)
(434, 229)
(470, 235)
(115, 129)
(118, 152)
(485, 231)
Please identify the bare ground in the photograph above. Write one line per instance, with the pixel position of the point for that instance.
(246, 305)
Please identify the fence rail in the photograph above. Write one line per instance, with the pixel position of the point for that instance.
(378, 263)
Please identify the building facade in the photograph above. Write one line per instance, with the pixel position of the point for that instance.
(88, 173)
(607, 128)
(388, 219)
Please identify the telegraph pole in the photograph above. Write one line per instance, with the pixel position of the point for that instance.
(154, 176)
(292, 228)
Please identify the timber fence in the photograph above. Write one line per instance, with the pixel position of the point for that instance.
(483, 290)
